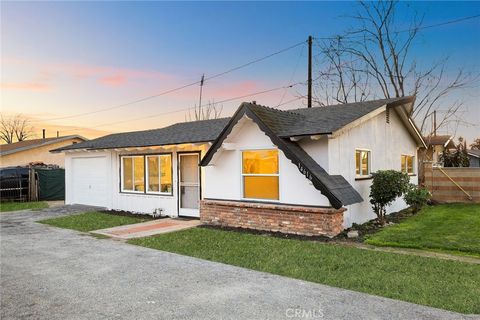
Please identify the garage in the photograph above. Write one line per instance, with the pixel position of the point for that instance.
(89, 181)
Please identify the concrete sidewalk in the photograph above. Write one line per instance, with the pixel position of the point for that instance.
(150, 228)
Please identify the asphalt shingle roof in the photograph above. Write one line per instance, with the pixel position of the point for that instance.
(304, 121)
(185, 132)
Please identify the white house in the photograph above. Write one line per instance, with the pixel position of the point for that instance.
(305, 171)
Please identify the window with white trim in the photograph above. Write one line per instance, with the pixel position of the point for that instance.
(260, 174)
(362, 163)
(151, 174)
(159, 173)
(133, 174)
(407, 163)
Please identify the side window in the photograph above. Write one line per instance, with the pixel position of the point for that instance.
(407, 163)
(362, 163)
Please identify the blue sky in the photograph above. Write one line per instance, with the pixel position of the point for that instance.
(64, 58)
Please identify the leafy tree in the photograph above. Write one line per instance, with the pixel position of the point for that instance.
(458, 157)
(387, 185)
(476, 144)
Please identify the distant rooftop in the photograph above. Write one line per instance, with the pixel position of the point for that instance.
(11, 148)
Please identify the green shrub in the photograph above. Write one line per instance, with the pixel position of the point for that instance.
(416, 197)
(387, 185)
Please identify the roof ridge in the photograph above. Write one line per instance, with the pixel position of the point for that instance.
(274, 109)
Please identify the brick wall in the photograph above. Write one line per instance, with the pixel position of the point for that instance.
(310, 221)
(444, 190)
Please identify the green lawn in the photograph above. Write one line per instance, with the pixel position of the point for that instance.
(90, 221)
(434, 282)
(454, 228)
(14, 206)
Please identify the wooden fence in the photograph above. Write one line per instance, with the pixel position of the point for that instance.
(453, 184)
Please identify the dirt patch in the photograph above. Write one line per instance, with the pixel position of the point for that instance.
(373, 226)
(270, 233)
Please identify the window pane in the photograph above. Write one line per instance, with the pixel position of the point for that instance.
(153, 174)
(166, 173)
(127, 174)
(365, 160)
(260, 162)
(410, 164)
(139, 174)
(404, 163)
(258, 187)
(357, 162)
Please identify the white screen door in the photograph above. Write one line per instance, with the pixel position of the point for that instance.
(189, 184)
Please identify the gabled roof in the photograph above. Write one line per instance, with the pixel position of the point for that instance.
(474, 153)
(443, 140)
(273, 122)
(11, 148)
(185, 132)
(296, 122)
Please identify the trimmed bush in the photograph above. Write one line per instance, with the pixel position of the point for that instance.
(387, 185)
(416, 197)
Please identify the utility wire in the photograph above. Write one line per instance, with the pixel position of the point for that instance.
(408, 30)
(181, 87)
(191, 108)
(291, 78)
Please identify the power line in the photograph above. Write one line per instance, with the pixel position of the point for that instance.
(408, 30)
(181, 87)
(191, 108)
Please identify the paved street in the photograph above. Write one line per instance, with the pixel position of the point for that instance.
(51, 273)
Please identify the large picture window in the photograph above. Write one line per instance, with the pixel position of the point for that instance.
(260, 174)
(362, 163)
(407, 163)
(156, 169)
(159, 174)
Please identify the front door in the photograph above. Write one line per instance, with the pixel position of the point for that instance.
(189, 184)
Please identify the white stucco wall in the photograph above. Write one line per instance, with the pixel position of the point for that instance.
(386, 142)
(223, 175)
(140, 203)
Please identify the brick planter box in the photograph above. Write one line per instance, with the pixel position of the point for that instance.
(309, 221)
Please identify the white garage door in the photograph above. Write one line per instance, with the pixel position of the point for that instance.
(89, 181)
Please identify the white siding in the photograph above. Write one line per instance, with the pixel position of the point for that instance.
(224, 174)
(116, 200)
(386, 142)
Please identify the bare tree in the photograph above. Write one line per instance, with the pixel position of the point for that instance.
(375, 59)
(205, 112)
(16, 128)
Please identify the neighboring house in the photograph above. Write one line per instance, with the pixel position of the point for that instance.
(474, 157)
(305, 171)
(435, 147)
(23, 153)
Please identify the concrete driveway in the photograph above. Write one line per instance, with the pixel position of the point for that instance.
(51, 273)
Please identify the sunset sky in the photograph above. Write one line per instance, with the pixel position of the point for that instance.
(62, 59)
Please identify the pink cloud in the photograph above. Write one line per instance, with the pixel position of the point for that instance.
(105, 75)
(113, 81)
(27, 86)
